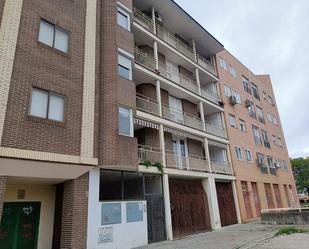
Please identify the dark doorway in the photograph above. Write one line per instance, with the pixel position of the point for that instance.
(226, 203)
(189, 207)
(20, 225)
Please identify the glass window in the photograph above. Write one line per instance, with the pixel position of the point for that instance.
(39, 103)
(270, 100)
(275, 140)
(270, 118)
(265, 139)
(54, 36)
(257, 135)
(227, 91)
(246, 84)
(233, 71)
(251, 108)
(110, 185)
(124, 67)
(280, 142)
(260, 114)
(249, 156)
(238, 153)
(134, 212)
(223, 64)
(242, 125)
(125, 122)
(255, 91)
(237, 97)
(232, 120)
(133, 187)
(111, 213)
(56, 107)
(123, 19)
(275, 120)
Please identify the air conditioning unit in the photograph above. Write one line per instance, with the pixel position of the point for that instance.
(159, 18)
(233, 100)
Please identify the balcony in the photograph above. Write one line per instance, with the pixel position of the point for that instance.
(190, 163)
(150, 154)
(215, 130)
(147, 104)
(221, 167)
(166, 35)
(143, 58)
(211, 96)
(182, 118)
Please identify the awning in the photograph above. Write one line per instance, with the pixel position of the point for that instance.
(146, 123)
(212, 143)
(183, 134)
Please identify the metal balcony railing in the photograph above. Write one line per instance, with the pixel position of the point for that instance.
(148, 153)
(182, 118)
(143, 19)
(190, 163)
(142, 57)
(221, 167)
(206, 64)
(147, 104)
(215, 130)
(210, 95)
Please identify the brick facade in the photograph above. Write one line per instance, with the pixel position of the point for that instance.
(75, 213)
(2, 193)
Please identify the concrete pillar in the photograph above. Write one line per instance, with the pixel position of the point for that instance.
(153, 17)
(162, 144)
(156, 55)
(201, 107)
(210, 188)
(206, 148)
(229, 157)
(252, 202)
(2, 193)
(198, 81)
(167, 208)
(194, 50)
(236, 202)
(75, 214)
(159, 100)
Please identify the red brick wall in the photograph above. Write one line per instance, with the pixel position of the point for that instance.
(127, 94)
(125, 40)
(127, 3)
(2, 193)
(44, 67)
(75, 213)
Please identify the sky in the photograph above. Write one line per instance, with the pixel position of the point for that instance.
(269, 37)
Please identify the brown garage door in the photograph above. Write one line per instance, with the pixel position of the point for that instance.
(226, 203)
(256, 198)
(246, 196)
(269, 196)
(278, 196)
(189, 207)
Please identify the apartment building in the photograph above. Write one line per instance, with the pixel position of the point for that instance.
(259, 153)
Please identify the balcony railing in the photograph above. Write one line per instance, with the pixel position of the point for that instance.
(215, 130)
(206, 64)
(147, 104)
(144, 58)
(178, 78)
(210, 95)
(143, 19)
(221, 167)
(148, 153)
(191, 163)
(182, 118)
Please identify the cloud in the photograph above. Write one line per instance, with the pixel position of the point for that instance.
(268, 37)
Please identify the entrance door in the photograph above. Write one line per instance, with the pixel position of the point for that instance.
(269, 196)
(226, 203)
(246, 196)
(287, 195)
(278, 196)
(256, 199)
(189, 207)
(19, 226)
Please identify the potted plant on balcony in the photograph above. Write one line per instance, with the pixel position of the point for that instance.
(158, 165)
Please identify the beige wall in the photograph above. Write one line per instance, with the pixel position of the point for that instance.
(45, 195)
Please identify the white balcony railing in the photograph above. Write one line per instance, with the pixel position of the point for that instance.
(206, 64)
(147, 104)
(142, 57)
(150, 154)
(211, 96)
(191, 163)
(221, 167)
(182, 118)
(143, 19)
(215, 130)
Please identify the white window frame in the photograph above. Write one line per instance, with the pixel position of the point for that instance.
(239, 155)
(125, 62)
(223, 64)
(242, 123)
(249, 155)
(123, 12)
(227, 91)
(130, 119)
(232, 117)
(257, 139)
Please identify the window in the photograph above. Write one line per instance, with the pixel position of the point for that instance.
(48, 105)
(237, 97)
(260, 159)
(246, 84)
(227, 91)
(123, 19)
(270, 161)
(275, 121)
(223, 64)
(255, 91)
(124, 67)
(264, 95)
(260, 114)
(265, 139)
(270, 100)
(125, 122)
(249, 156)
(238, 153)
(270, 118)
(242, 125)
(233, 71)
(54, 36)
(232, 121)
(280, 142)
(275, 140)
(251, 108)
(256, 135)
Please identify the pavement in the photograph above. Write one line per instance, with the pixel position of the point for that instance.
(252, 235)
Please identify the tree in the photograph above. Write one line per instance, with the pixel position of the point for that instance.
(301, 172)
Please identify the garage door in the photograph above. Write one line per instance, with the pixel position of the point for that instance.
(189, 207)
(226, 203)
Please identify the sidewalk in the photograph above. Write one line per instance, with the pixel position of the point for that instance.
(243, 236)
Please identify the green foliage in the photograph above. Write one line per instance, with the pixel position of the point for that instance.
(290, 230)
(301, 172)
(159, 166)
(147, 163)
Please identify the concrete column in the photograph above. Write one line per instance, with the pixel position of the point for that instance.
(229, 157)
(213, 62)
(201, 107)
(198, 81)
(206, 148)
(162, 144)
(159, 100)
(2, 193)
(236, 202)
(167, 207)
(210, 188)
(155, 53)
(194, 50)
(252, 202)
(153, 16)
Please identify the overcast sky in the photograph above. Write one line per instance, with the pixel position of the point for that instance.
(269, 37)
